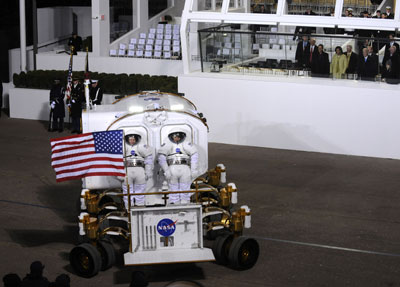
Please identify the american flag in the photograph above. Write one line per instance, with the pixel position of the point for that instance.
(69, 78)
(89, 154)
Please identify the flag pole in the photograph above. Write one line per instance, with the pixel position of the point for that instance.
(129, 192)
(69, 84)
(87, 80)
(69, 77)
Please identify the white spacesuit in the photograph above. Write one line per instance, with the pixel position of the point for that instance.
(139, 165)
(179, 160)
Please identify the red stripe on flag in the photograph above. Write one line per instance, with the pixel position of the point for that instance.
(72, 148)
(90, 167)
(72, 142)
(72, 155)
(90, 174)
(71, 137)
(87, 160)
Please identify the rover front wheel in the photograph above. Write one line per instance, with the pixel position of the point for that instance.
(243, 253)
(85, 259)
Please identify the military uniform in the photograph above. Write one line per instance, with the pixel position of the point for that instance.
(75, 104)
(57, 94)
(96, 95)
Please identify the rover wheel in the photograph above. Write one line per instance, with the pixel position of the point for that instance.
(107, 254)
(85, 259)
(221, 248)
(243, 253)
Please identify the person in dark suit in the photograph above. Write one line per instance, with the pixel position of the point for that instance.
(390, 43)
(75, 105)
(352, 60)
(57, 105)
(377, 14)
(12, 280)
(366, 67)
(35, 278)
(313, 51)
(394, 57)
(320, 64)
(390, 76)
(75, 43)
(374, 57)
(302, 52)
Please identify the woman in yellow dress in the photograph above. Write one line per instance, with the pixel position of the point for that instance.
(338, 64)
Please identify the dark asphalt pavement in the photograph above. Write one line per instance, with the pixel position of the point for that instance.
(320, 219)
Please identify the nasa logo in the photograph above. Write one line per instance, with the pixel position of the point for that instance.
(166, 227)
(178, 150)
(132, 152)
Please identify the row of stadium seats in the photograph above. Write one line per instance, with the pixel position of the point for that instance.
(162, 42)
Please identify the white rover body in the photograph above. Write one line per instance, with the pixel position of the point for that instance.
(159, 232)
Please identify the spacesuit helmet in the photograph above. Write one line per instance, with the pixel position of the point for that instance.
(177, 137)
(129, 139)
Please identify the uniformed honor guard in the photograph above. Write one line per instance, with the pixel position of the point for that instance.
(57, 106)
(96, 93)
(75, 104)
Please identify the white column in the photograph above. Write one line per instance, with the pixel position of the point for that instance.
(22, 34)
(213, 5)
(101, 27)
(225, 6)
(143, 13)
(184, 39)
(246, 4)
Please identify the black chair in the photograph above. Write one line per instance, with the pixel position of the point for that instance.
(285, 64)
(272, 63)
(262, 64)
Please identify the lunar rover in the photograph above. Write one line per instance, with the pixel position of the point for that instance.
(208, 228)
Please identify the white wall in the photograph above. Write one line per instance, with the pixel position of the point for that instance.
(32, 104)
(53, 23)
(6, 92)
(52, 61)
(57, 22)
(320, 115)
(84, 21)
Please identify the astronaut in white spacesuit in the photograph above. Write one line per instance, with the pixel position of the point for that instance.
(179, 160)
(139, 165)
